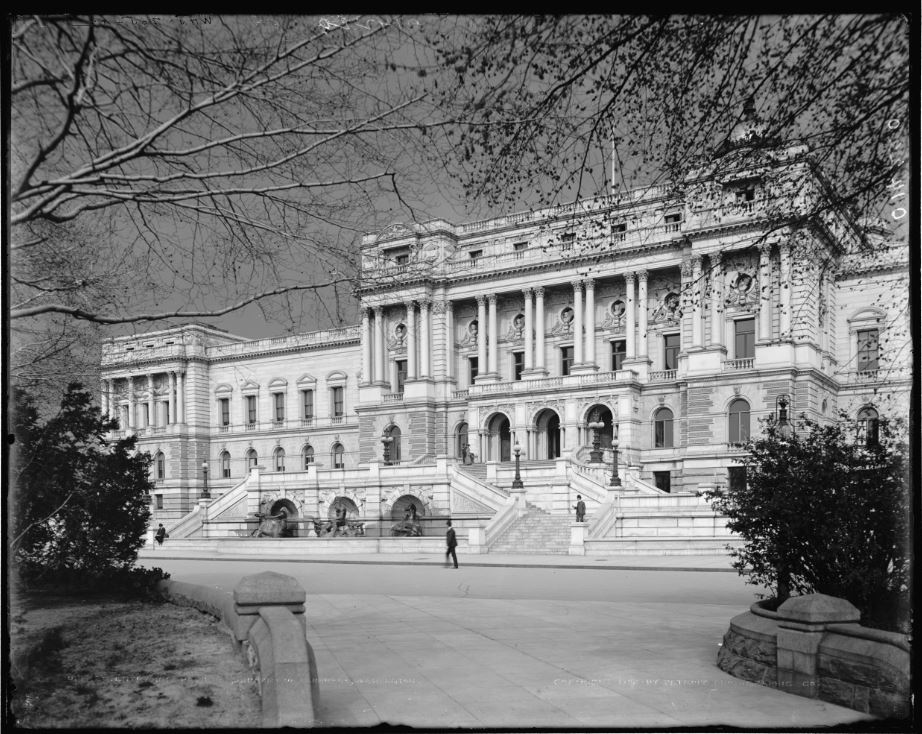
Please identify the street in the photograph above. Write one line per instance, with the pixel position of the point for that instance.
(426, 646)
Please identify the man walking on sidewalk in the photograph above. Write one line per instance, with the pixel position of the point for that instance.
(452, 543)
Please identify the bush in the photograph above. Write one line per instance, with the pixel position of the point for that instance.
(822, 512)
(115, 582)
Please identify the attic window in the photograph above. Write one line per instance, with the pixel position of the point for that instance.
(475, 254)
(566, 240)
(129, 349)
(619, 231)
(519, 246)
(170, 342)
(149, 345)
(673, 221)
(400, 255)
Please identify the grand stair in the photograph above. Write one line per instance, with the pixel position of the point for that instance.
(536, 532)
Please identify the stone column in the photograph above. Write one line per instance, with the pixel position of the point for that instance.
(151, 406)
(131, 405)
(181, 398)
(577, 322)
(449, 340)
(393, 376)
(590, 322)
(697, 293)
(173, 400)
(367, 369)
(411, 340)
(787, 290)
(529, 326)
(379, 344)
(717, 292)
(494, 369)
(424, 342)
(643, 348)
(481, 334)
(104, 398)
(630, 347)
(539, 328)
(765, 295)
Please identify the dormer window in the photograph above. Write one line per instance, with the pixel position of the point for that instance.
(398, 255)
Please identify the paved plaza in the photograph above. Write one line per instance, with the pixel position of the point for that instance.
(568, 643)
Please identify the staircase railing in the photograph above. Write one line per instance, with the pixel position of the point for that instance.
(493, 497)
(633, 481)
(605, 519)
(589, 481)
(511, 511)
(188, 524)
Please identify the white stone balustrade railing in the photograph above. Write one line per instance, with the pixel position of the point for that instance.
(551, 383)
(739, 364)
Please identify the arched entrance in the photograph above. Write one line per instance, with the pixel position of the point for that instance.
(500, 438)
(461, 441)
(600, 413)
(548, 435)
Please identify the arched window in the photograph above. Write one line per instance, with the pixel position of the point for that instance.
(868, 426)
(251, 458)
(160, 462)
(739, 421)
(662, 429)
(225, 464)
(338, 456)
(278, 459)
(308, 454)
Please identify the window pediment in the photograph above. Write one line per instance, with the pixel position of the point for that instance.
(224, 390)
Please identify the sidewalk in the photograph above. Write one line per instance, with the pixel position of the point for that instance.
(710, 563)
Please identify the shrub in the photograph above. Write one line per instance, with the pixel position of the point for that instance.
(823, 512)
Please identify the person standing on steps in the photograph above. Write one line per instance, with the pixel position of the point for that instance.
(160, 535)
(452, 542)
(580, 508)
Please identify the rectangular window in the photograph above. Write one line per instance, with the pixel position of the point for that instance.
(401, 374)
(736, 476)
(566, 360)
(670, 351)
(279, 400)
(673, 221)
(868, 345)
(745, 338)
(518, 364)
(145, 415)
(473, 368)
(519, 246)
(662, 479)
(400, 255)
(475, 254)
(337, 402)
(618, 353)
(566, 240)
(619, 231)
(251, 409)
(224, 406)
(158, 499)
(307, 402)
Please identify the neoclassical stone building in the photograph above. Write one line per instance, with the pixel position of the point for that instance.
(670, 318)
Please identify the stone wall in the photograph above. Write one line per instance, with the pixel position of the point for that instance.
(814, 647)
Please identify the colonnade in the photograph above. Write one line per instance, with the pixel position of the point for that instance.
(694, 288)
(173, 406)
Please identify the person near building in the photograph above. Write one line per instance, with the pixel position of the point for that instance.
(580, 508)
(160, 534)
(452, 542)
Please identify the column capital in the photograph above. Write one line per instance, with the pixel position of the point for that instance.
(539, 291)
(378, 311)
(577, 284)
(717, 258)
(491, 298)
(409, 303)
(440, 306)
(527, 292)
(589, 283)
(686, 268)
(480, 298)
(629, 277)
(425, 302)
(765, 249)
(642, 276)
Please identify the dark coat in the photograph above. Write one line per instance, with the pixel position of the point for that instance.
(451, 539)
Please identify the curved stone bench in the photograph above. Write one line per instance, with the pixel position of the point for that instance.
(813, 646)
(265, 616)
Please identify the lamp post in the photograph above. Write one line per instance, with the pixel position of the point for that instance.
(387, 440)
(595, 456)
(517, 482)
(615, 479)
(784, 427)
(205, 493)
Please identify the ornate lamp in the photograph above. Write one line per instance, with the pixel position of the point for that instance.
(517, 482)
(205, 494)
(615, 479)
(784, 426)
(595, 456)
(387, 440)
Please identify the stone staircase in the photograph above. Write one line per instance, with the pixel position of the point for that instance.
(478, 471)
(538, 532)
